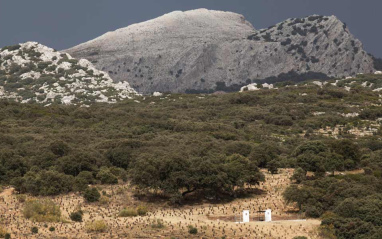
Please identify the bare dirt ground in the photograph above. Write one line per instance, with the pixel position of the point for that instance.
(211, 220)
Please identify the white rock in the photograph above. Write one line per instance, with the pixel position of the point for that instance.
(250, 87)
(67, 100)
(31, 74)
(319, 83)
(318, 113)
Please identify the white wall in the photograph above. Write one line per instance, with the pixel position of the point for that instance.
(268, 215)
(245, 215)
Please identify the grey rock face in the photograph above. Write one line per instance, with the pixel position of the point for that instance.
(201, 49)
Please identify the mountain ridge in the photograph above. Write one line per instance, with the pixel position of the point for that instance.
(200, 50)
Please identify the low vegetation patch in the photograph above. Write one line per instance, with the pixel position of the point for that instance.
(192, 230)
(157, 224)
(3, 231)
(141, 210)
(76, 216)
(128, 212)
(42, 210)
(92, 195)
(96, 226)
(34, 230)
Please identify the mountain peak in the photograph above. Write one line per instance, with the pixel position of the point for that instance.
(204, 14)
(204, 50)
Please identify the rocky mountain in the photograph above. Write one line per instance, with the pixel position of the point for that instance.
(31, 72)
(204, 51)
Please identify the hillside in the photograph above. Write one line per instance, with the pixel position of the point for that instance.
(31, 72)
(206, 51)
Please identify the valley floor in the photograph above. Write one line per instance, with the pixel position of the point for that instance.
(211, 220)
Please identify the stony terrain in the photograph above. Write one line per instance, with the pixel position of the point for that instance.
(206, 51)
(31, 72)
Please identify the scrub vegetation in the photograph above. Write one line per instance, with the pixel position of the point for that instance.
(208, 147)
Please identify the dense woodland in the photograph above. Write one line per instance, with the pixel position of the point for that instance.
(209, 145)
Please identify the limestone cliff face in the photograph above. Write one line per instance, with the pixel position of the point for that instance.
(203, 50)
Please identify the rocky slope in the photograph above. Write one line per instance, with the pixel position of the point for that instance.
(31, 72)
(203, 51)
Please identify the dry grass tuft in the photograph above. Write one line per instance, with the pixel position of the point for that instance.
(42, 211)
(96, 226)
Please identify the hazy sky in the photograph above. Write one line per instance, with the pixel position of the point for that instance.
(64, 23)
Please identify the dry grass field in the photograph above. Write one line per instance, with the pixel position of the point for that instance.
(211, 220)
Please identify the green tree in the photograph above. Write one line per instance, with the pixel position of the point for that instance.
(264, 153)
(92, 195)
(59, 148)
(106, 177)
(302, 195)
(273, 166)
(82, 181)
(299, 175)
(348, 149)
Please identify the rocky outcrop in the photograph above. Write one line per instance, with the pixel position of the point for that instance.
(31, 72)
(204, 51)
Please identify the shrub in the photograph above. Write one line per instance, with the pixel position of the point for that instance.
(96, 226)
(327, 231)
(299, 175)
(3, 232)
(128, 212)
(76, 216)
(244, 98)
(34, 230)
(21, 198)
(45, 183)
(59, 148)
(157, 224)
(52, 229)
(42, 211)
(92, 195)
(82, 180)
(142, 210)
(242, 148)
(7, 236)
(192, 230)
(43, 65)
(106, 176)
(11, 48)
(273, 166)
(104, 200)
(313, 212)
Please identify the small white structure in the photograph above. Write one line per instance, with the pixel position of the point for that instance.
(157, 94)
(268, 215)
(245, 216)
